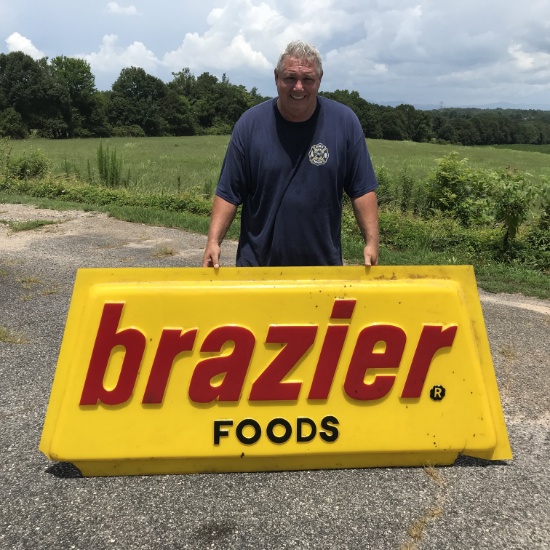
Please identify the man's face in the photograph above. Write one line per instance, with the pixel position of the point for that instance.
(297, 87)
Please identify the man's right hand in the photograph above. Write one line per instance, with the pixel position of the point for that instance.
(223, 213)
(212, 254)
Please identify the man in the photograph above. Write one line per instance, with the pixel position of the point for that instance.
(288, 163)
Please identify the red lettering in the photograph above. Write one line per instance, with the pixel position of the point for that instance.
(343, 309)
(365, 357)
(107, 339)
(172, 343)
(233, 366)
(222, 377)
(331, 350)
(432, 339)
(269, 385)
(328, 361)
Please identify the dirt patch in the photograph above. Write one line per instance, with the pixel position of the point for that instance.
(84, 234)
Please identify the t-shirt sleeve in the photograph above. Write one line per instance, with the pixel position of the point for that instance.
(232, 182)
(361, 178)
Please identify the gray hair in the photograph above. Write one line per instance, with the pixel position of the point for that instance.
(301, 50)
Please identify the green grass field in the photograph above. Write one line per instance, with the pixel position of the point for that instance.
(193, 163)
(170, 181)
(421, 158)
(148, 164)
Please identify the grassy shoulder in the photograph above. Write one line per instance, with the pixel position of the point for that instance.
(429, 248)
(404, 241)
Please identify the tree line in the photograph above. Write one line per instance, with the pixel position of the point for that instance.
(58, 99)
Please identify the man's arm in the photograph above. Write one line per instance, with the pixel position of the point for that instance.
(223, 213)
(365, 209)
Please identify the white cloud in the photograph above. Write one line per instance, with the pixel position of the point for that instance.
(18, 43)
(112, 58)
(114, 7)
(238, 37)
(529, 61)
(246, 34)
(212, 52)
(416, 51)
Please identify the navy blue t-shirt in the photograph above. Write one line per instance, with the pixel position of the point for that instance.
(289, 178)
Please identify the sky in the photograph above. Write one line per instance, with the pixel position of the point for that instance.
(421, 52)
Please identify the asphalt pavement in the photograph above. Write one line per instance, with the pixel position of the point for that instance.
(473, 504)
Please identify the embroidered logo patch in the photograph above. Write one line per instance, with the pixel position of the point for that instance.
(318, 154)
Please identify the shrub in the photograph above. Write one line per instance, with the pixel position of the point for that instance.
(461, 191)
(437, 234)
(5, 156)
(128, 131)
(513, 199)
(406, 184)
(30, 165)
(385, 191)
(54, 128)
(11, 125)
(538, 235)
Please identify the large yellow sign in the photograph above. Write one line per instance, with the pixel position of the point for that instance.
(201, 370)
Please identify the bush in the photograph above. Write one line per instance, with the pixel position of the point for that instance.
(5, 156)
(11, 125)
(385, 191)
(461, 191)
(29, 165)
(128, 131)
(54, 128)
(513, 200)
(439, 234)
(538, 235)
(406, 184)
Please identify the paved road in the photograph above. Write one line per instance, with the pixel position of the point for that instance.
(470, 505)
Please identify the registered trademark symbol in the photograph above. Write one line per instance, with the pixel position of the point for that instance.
(437, 393)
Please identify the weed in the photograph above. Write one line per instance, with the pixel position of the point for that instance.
(164, 251)
(417, 528)
(406, 183)
(28, 225)
(509, 353)
(109, 167)
(434, 475)
(50, 291)
(208, 188)
(7, 337)
(5, 158)
(29, 282)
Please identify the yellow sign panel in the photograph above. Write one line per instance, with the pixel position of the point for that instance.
(248, 369)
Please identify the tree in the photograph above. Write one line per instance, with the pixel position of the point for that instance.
(33, 90)
(465, 132)
(216, 105)
(447, 132)
(367, 113)
(137, 99)
(184, 83)
(86, 111)
(54, 103)
(11, 124)
(394, 124)
(20, 86)
(176, 111)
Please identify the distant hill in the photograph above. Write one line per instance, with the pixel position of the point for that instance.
(499, 105)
